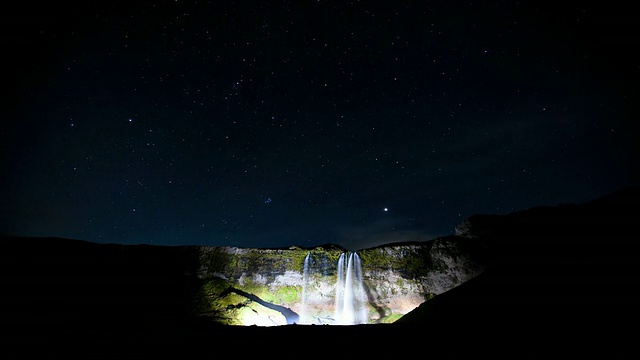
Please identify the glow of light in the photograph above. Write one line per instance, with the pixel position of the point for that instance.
(261, 316)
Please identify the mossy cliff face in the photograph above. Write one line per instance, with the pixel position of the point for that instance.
(268, 287)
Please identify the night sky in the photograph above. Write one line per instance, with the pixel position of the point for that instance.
(276, 123)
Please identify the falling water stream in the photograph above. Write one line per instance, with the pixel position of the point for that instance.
(304, 316)
(350, 306)
(350, 296)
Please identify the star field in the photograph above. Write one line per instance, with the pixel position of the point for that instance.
(276, 123)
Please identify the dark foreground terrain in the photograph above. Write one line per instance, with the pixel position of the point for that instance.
(562, 282)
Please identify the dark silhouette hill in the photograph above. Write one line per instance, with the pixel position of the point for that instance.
(563, 277)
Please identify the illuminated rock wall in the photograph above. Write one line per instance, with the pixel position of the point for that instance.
(268, 287)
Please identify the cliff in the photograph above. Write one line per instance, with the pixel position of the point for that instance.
(60, 289)
(284, 286)
(545, 280)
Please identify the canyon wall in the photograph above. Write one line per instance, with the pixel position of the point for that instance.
(268, 287)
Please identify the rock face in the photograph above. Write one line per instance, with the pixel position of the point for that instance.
(136, 290)
(531, 282)
(327, 284)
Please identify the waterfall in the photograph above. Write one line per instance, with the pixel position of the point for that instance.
(305, 282)
(350, 307)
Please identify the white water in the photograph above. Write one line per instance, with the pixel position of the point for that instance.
(351, 301)
(350, 306)
(304, 316)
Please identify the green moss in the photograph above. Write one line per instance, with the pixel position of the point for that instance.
(332, 255)
(376, 259)
(259, 290)
(297, 260)
(217, 305)
(389, 319)
(410, 261)
(428, 296)
(231, 300)
(288, 294)
(215, 286)
(276, 260)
